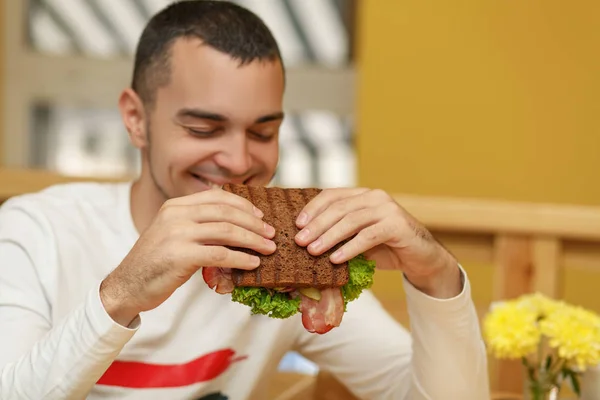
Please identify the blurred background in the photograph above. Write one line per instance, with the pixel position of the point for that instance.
(474, 100)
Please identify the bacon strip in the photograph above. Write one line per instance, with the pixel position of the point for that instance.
(323, 315)
(219, 278)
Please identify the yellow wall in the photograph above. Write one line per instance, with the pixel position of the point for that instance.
(494, 98)
(2, 74)
(481, 98)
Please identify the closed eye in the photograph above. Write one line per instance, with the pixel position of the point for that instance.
(262, 137)
(203, 133)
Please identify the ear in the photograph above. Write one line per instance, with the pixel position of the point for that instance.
(134, 117)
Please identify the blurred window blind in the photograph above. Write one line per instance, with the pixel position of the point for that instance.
(309, 32)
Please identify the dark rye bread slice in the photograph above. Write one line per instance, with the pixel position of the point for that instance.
(290, 265)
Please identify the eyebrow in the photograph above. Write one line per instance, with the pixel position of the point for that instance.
(200, 114)
(203, 114)
(268, 118)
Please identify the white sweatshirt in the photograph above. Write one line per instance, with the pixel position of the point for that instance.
(58, 342)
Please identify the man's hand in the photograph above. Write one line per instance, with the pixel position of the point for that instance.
(187, 233)
(384, 232)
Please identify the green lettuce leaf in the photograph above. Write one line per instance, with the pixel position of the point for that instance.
(361, 273)
(281, 305)
(261, 301)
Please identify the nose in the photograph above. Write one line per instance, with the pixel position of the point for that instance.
(235, 156)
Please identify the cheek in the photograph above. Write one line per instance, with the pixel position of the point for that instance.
(266, 154)
(192, 151)
(187, 152)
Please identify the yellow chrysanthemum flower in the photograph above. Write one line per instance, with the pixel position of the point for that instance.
(511, 330)
(553, 338)
(575, 334)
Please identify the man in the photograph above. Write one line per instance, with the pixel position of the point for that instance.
(99, 291)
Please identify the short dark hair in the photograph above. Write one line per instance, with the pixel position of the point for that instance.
(221, 25)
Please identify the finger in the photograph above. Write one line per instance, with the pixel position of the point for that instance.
(365, 240)
(216, 196)
(226, 234)
(219, 256)
(205, 213)
(334, 213)
(321, 201)
(347, 227)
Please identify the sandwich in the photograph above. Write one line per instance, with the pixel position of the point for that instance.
(291, 280)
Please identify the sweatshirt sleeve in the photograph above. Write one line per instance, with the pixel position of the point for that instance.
(443, 356)
(39, 359)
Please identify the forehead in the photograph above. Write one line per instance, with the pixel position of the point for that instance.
(202, 77)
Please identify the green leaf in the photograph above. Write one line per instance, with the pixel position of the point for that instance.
(530, 369)
(574, 380)
(261, 301)
(548, 362)
(360, 271)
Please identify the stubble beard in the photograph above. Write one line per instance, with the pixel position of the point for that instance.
(155, 181)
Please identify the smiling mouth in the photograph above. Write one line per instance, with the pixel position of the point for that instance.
(208, 183)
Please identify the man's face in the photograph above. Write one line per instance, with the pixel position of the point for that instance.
(215, 122)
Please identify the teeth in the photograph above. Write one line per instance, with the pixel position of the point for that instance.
(210, 184)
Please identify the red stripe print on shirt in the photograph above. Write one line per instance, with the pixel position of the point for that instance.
(133, 374)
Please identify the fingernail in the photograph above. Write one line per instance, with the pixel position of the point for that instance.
(316, 244)
(269, 229)
(258, 213)
(254, 261)
(337, 255)
(302, 218)
(303, 234)
(269, 243)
